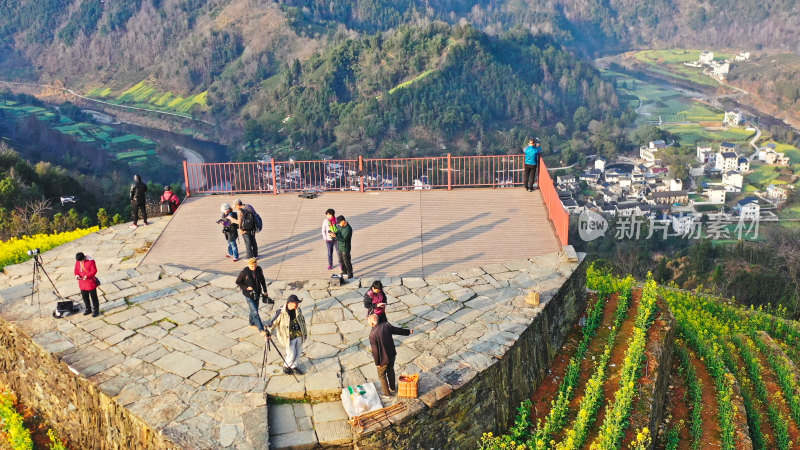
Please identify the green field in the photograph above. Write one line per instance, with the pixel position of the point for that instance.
(657, 101)
(129, 147)
(670, 63)
(146, 95)
(692, 134)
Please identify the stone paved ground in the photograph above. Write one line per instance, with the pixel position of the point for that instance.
(173, 344)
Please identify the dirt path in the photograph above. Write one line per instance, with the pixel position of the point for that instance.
(677, 407)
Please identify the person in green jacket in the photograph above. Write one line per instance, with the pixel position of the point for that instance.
(343, 237)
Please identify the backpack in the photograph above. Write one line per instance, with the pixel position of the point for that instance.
(251, 220)
(248, 221)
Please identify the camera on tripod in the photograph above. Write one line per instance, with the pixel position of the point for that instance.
(33, 252)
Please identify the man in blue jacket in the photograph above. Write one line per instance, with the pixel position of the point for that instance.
(532, 152)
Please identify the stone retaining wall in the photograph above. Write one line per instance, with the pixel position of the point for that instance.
(85, 416)
(488, 402)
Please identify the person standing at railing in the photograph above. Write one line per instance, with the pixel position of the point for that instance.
(532, 153)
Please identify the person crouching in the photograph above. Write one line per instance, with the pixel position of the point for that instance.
(289, 326)
(252, 283)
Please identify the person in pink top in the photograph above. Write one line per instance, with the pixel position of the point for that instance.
(171, 199)
(86, 274)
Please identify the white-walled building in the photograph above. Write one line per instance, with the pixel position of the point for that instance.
(725, 161)
(743, 164)
(777, 192)
(732, 118)
(600, 164)
(706, 57)
(716, 195)
(675, 184)
(748, 208)
(732, 180)
(705, 154)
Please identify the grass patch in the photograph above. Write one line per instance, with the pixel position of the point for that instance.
(409, 82)
(692, 134)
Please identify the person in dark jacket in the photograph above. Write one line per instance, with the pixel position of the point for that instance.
(383, 351)
(375, 301)
(343, 235)
(138, 191)
(249, 236)
(86, 274)
(230, 230)
(253, 285)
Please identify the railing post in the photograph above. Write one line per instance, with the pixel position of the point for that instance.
(186, 177)
(449, 173)
(361, 171)
(274, 177)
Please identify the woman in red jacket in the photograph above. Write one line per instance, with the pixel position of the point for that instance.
(85, 272)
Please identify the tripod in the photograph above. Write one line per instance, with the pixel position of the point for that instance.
(36, 282)
(267, 346)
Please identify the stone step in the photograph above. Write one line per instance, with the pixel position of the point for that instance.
(303, 425)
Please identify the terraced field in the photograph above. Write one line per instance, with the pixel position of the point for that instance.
(148, 96)
(730, 376)
(128, 147)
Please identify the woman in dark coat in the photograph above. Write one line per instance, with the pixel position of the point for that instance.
(85, 273)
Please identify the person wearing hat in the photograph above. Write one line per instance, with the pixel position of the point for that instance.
(252, 283)
(138, 200)
(344, 236)
(85, 273)
(289, 326)
(532, 154)
(230, 230)
(169, 198)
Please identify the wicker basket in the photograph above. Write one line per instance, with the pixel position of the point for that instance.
(408, 386)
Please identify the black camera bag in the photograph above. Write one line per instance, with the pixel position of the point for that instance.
(65, 308)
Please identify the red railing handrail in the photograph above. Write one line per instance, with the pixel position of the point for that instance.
(442, 172)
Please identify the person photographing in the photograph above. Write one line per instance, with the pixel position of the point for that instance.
(289, 326)
(532, 154)
(252, 283)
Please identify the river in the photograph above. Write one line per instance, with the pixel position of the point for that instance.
(195, 150)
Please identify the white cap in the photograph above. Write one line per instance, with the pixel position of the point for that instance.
(225, 207)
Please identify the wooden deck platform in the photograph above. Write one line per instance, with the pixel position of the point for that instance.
(395, 233)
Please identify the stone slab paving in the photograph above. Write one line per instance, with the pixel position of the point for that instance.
(173, 344)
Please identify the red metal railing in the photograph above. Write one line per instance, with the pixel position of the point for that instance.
(555, 208)
(372, 174)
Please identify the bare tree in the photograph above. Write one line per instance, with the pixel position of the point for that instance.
(786, 245)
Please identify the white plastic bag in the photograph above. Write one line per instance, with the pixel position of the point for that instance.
(360, 399)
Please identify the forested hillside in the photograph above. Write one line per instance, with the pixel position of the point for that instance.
(228, 47)
(418, 88)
